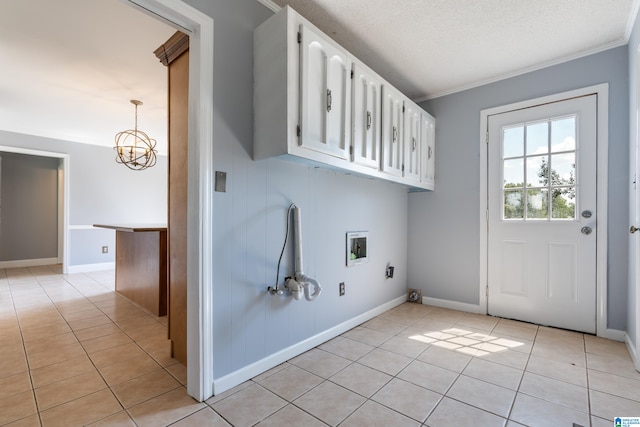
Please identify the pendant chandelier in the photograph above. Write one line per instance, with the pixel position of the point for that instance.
(134, 148)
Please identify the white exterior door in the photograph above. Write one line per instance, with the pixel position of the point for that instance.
(366, 117)
(325, 95)
(542, 214)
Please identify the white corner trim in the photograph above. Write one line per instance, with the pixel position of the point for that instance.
(602, 92)
(632, 19)
(21, 263)
(613, 335)
(231, 380)
(453, 305)
(88, 268)
(632, 350)
(270, 4)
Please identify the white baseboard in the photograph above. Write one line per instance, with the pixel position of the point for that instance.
(632, 350)
(613, 334)
(88, 268)
(235, 378)
(29, 262)
(453, 305)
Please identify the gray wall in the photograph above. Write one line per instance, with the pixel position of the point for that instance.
(249, 220)
(634, 70)
(28, 207)
(444, 253)
(101, 191)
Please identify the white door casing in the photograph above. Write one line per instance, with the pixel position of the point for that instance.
(542, 248)
(199, 26)
(634, 204)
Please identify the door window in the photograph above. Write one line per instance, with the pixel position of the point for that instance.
(539, 170)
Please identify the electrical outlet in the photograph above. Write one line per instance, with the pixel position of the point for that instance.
(105, 249)
(389, 273)
(341, 288)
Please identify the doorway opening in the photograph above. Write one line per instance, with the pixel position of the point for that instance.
(63, 201)
(199, 27)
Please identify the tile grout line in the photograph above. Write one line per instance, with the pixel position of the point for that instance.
(109, 386)
(24, 347)
(83, 349)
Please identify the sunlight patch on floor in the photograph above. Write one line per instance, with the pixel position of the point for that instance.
(467, 342)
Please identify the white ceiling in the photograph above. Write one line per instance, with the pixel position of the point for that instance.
(70, 67)
(428, 48)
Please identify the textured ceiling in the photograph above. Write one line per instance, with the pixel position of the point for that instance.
(428, 48)
(70, 67)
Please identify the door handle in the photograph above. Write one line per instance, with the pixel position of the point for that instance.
(368, 120)
(586, 230)
(633, 229)
(329, 100)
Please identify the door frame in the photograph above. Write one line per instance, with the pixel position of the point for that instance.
(633, 343)
(63, 198)
(602, 103)
(199, 27)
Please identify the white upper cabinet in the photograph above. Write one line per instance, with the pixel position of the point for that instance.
(316, 103)
(428, 162)
(324, 95)
(366, 116)
(412, 140)
(392, 131)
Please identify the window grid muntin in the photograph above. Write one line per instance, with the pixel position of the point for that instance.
(524, 189)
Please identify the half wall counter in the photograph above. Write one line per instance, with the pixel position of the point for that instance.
(141, 264)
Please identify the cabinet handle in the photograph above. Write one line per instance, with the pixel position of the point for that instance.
(328, 100)
(429, 152)
(413, 144)
(395, 134)
(368, 120)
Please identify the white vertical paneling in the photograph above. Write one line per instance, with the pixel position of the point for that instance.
(239, 190)
(252, 324)
(249, 228)
(276, 316)
(256, 259)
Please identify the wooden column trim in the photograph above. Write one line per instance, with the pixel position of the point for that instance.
(172, 48)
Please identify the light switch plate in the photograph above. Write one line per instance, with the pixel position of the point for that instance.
(221, 182)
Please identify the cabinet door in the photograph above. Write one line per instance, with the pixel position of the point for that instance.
(392, 128)
(412, 140)
(428, 131)
(324, 95)
(366, 100)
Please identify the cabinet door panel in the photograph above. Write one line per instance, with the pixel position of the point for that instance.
(428, 131)
(392, 131)
(324, 95)
(412, 141)
(366, 117)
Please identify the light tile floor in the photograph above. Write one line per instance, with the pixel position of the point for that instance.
(73, 352)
